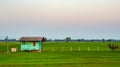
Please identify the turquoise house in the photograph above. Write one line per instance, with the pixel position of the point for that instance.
(31, 43)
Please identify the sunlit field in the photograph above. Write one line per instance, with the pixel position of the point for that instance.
(61, 54)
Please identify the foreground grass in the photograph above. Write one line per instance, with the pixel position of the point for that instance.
(62, 59)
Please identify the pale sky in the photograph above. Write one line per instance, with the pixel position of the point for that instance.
(89, 19)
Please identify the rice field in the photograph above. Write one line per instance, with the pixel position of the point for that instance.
(59, 54)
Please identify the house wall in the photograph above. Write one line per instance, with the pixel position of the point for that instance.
(30, 46)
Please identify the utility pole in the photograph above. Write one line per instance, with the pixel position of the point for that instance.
(6, 39)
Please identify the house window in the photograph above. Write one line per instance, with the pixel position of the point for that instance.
(34, 43)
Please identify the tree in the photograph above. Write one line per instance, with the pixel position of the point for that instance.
(113, 46)
(103, 40)
(78, 40)
(50, 40)
(6, 39)
(68, 39)
(44, 39)
(109, 40)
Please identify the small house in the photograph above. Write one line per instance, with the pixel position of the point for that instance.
(31, 43)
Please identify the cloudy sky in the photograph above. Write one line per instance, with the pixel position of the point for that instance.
(89, 19)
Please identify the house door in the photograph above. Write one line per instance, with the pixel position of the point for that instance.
(34, 43)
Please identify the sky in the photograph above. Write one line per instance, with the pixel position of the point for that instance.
(58, 19)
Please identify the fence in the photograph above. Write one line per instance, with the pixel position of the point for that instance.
(64, 49)
(58, 49)
(9, 47)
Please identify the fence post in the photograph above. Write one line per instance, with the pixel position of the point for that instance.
(71, 48)
(88, 48)
(97, 48)
(106, 49)
(42, 49)
(79, 48)
(53, 49)
(62, 49)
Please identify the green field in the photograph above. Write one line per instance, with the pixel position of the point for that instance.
(62, 55)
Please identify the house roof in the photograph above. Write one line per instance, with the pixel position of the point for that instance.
(31, 39)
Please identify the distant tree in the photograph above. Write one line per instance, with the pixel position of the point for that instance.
(113, 46)
(103, 40)
(50, 40)
(109, 40)
(68, 39)
(6, 39)
(78, 40)
(82, 39)
(56, 40)
(44, 39)
(92, 40)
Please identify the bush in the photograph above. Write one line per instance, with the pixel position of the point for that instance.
(113, 46)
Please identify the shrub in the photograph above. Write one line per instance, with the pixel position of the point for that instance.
(113, 46)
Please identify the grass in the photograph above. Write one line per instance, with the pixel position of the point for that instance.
(103, 46)
(60, 58)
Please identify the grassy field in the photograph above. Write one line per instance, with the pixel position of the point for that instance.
(62, 58)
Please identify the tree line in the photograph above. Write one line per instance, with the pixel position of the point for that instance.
(69, 39)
